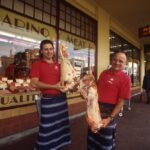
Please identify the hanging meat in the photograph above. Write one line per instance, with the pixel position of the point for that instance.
(88, 90)
(68, 73)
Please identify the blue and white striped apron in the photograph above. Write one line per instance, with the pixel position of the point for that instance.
(54, 128)
(105, 138)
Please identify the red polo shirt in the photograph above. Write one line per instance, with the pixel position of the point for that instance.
(47, 73)
(112, 86)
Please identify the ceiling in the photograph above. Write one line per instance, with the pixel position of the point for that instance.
(133, 14)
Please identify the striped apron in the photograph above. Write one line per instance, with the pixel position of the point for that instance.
(105, 138)
(54, 128)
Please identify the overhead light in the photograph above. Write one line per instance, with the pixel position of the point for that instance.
(7, 34)
(3, 40)
(18, 37)
(28, 39)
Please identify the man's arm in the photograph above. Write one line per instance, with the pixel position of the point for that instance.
(38, 84)
(114, 113)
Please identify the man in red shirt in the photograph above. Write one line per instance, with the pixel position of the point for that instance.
(113, 89)
(54, 129)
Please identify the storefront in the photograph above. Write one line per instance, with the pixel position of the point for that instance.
(20, 36)
(87, 31)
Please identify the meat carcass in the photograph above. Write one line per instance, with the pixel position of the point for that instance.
(68, 73)
(88, 90)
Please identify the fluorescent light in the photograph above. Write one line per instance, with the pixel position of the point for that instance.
(18, 37)
(28, 39)
(7, 34)
(3, 40)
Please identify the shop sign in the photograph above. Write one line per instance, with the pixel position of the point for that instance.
(78, 42)
(13, 100)
(144, 31)
(22, 24)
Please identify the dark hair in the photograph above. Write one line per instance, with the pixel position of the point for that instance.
(42, 44)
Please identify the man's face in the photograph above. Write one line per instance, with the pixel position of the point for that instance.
(47, 51)
(119, 62)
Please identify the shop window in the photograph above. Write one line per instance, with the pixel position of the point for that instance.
(68, 10)
(29, 10)
(62, 24)
(133, 56)
(53, 11)
(53, 20)
(62, 15)
(54, 2)
(39, 4)
(73, 29)
(38, 14)
(31, 2)
(6, 4)
(67, 26)
(68, 19)
(78, 16)
(82, 33)
(78, 31)
(81, 56)
(46, 7)
(73, 13)
(18, 6)
(46, 18)
(73, 21)
(62, 7)
(147, 57)
(79, 22)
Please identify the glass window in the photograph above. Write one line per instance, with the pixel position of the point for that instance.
(19, 6)
(29, 10)
(73, 29)
(68, 10)
(73, 21)
(47, 7)
(133, 56)
(54, 2)
(78, 31)
(62, 24)
(80, 56)
(46, 18)
(62, 15)
(31, 2)
(53, 12)
(53, 20)
(38, 14)
(68, 26)
(39, 4)
(68, 19)
(6, 4)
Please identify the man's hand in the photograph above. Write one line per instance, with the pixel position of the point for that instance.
(106, 122)
(61, 87)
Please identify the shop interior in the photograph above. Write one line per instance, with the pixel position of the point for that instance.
(17, 53)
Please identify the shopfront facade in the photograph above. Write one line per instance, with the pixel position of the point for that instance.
(86, 31)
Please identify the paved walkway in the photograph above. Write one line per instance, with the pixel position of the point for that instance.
(133, 132)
